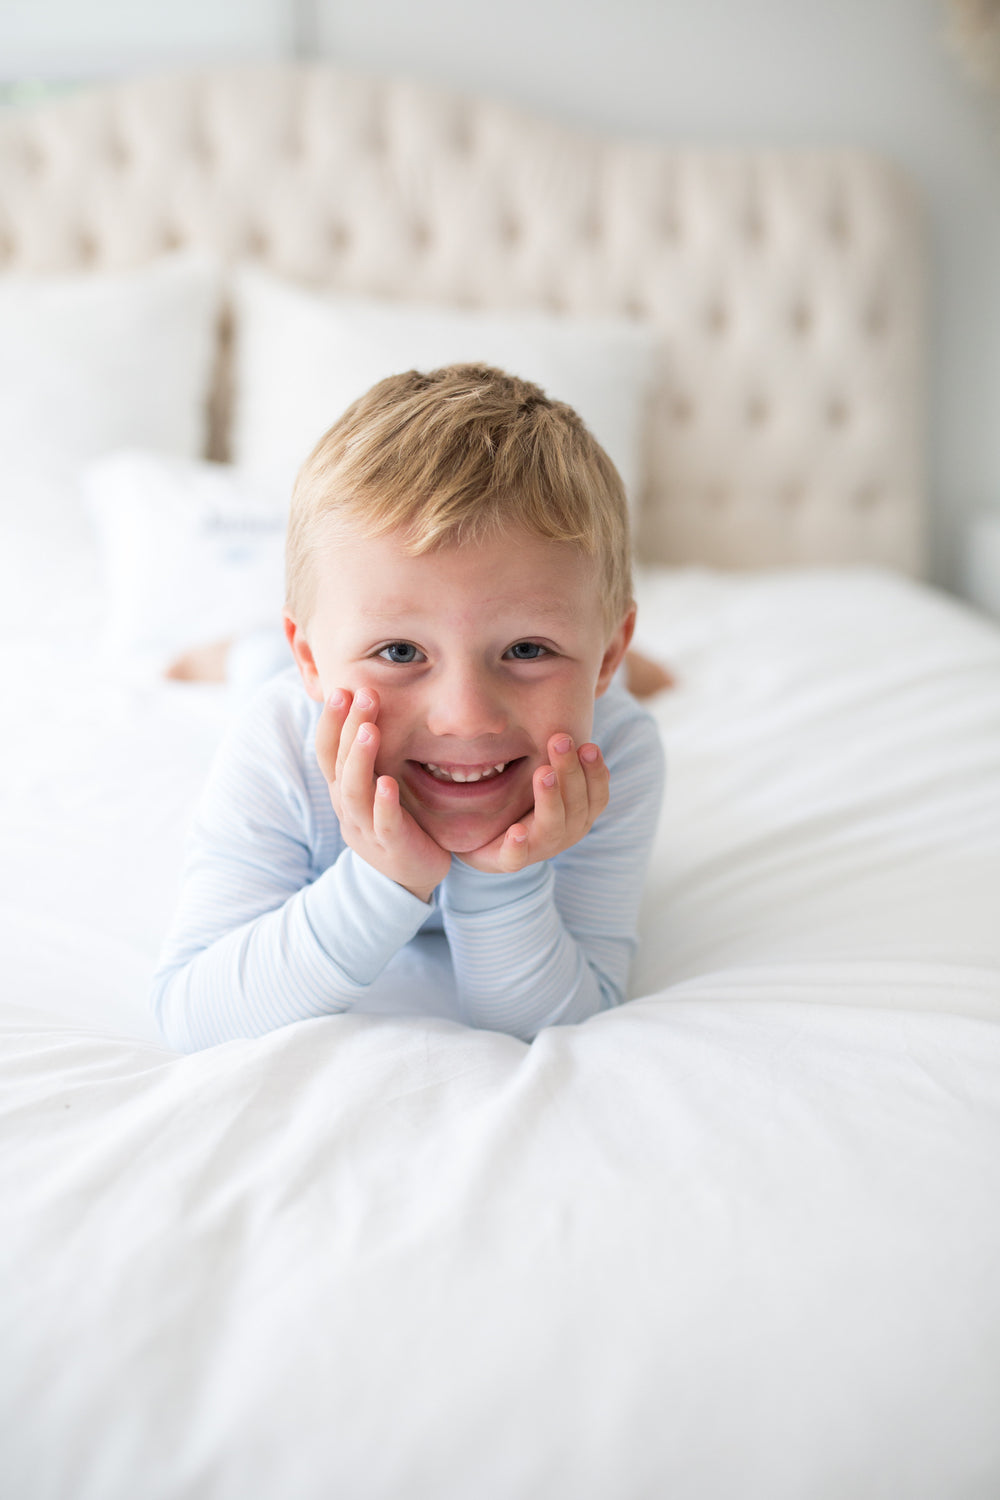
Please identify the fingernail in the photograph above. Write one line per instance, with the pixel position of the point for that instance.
(562, 745)
(590, 753)
(338, 698)
(364, 734)
(549, 779)
(364, 700)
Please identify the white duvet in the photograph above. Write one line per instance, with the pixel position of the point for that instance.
(738, 1239)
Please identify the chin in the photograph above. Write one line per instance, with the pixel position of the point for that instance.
(463, 837)
(466, 842)
(464, 816)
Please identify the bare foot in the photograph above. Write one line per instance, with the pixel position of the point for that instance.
(201, 664)
(644, 677)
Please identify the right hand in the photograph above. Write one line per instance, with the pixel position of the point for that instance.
(372, 821)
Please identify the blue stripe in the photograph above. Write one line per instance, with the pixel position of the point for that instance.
(278, 921)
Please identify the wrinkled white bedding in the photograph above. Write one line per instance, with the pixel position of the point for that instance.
(738, 1238)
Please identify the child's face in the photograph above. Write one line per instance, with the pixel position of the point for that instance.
(479, 653)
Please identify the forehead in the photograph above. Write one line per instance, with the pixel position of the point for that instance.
(514, 571)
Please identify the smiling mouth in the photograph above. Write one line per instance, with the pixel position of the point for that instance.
(466, 773)
(464, 776)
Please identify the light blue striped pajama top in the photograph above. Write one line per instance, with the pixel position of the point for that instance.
(279, 921)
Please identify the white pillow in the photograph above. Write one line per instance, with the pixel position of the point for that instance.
(90, 363)
(302, 357)
(193, 553)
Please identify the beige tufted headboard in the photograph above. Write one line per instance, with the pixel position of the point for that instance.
(787, 424)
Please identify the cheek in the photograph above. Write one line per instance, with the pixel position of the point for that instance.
(569, 712)
(394, 718)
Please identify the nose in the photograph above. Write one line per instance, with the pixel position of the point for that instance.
(466, 703)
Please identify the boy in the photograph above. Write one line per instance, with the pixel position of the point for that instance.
(430, 827)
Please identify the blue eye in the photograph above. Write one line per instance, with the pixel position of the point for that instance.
(527, 651)
(402, 653)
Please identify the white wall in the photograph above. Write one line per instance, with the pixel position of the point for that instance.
(874, 73)
(57, 39)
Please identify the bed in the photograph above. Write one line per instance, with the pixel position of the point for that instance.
(738, 1237)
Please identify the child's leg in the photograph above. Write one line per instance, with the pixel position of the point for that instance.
(202, 664)
(644, 677)
(244, 663)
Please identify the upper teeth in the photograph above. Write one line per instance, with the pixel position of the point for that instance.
(464, 775)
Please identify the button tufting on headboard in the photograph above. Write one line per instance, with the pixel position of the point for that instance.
(786, 285)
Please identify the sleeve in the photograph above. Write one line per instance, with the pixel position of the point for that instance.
(553, 943)
(259, 940)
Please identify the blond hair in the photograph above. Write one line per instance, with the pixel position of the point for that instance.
(454, 455)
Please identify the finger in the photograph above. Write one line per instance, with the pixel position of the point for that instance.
(548, 825)
(364, 709)
(572, 781)
(356, 781)
(513, 853)
(598, 780)
(387, 815)
(329, 730)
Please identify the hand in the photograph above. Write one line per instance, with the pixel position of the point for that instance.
(371, 819)
(571, 792)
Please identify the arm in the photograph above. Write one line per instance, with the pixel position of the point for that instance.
(553, 942)
(260, 938)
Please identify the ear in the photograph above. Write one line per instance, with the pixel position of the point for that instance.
(304, 659)
(614, 652)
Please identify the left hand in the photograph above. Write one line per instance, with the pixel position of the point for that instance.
(570, 794)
